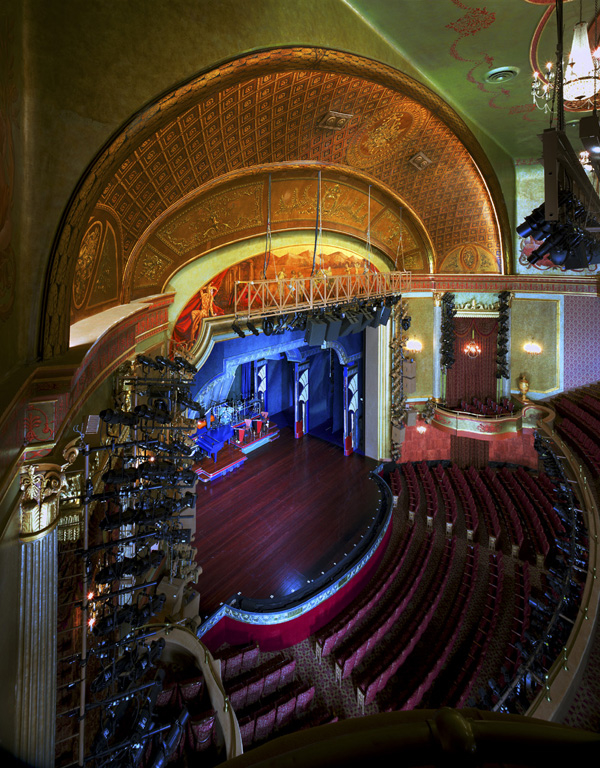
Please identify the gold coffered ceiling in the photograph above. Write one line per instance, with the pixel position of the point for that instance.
(263, 111)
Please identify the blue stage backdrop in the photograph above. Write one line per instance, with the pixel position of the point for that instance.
(326, 380)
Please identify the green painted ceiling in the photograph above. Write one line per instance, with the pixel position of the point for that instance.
(454, 43)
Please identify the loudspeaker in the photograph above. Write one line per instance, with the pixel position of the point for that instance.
(382, 315)
(350, 324)
(334, 325)
(365, 318)
(315, 332)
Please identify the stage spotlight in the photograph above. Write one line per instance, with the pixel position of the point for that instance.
(252, 328)
(236, 327)
(267, 326)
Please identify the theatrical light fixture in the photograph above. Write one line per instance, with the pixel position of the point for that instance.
(235, 326)
(472, 349)
(580, 79)
(413, 345)
(252, 328)
(532, 348)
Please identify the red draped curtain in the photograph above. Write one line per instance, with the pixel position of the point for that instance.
(473, 377)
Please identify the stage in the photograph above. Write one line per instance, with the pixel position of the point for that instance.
(287, 514)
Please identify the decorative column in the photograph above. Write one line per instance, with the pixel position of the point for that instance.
(437, 336)
(385, 391)
(41, 486)
(301, 394)
(351, 408)
(506, 382)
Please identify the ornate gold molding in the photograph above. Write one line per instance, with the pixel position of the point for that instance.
(39, 507)
(437, 298)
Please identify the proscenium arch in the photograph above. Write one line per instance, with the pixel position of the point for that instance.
(55, 315)
(386, 206)
(191, 277)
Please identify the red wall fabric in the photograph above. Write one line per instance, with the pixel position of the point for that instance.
(473, 377)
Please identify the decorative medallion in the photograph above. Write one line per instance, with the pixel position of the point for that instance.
(85, 263)
(150, 266)
(380, 136)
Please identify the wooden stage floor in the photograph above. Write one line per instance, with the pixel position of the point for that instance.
(289, 512)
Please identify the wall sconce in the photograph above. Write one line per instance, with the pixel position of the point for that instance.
(532, 348)
(413, 345)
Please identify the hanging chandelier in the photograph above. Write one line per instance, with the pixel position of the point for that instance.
(581, 80)
(472, 349)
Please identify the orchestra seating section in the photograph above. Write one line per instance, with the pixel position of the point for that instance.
(449, 618)
(578, 424)
(488, 408)
(200, 732)
(265, 695)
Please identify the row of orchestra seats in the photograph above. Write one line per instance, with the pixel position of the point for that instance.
(430, 489)
(508, 512)
(238, 659)
(375, 674)
(263, 680)
(396, 483)
(332, 634)
(410, 684)
(484, 632)
(265, 696)
(383, 615)
(199, 734)
(520, 621)
(485, 504)
(580, 442)
(414, 494)
(448, 497)
(528, 514)
(275, 712)
(461, 487)
(489, 407)
(542, 500)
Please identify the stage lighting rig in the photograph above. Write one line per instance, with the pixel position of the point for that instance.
(129, 566)
(185, 365)
(169, 745)
(568, 221)
(252, 328)
(235, 326)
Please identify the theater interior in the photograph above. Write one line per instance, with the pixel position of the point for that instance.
(300, 429)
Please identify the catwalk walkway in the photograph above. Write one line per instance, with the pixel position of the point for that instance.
(287, 514)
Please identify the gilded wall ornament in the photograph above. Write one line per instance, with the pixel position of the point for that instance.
(85, 262)
(39, 506)
(220, 214)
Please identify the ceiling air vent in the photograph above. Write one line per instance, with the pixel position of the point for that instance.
(501, 74)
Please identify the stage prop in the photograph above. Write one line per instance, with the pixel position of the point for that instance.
(231, 431)
(301, 395)
(351, 408)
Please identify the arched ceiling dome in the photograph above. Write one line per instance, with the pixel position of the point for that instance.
(263, 112)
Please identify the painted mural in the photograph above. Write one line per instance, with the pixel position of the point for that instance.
(218, 296)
